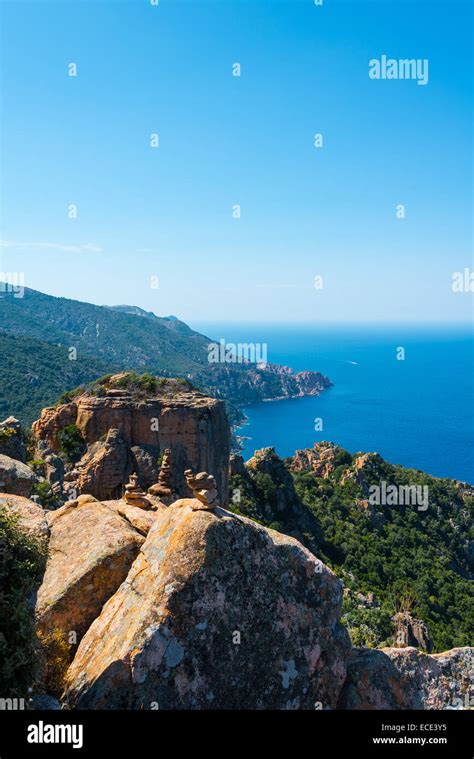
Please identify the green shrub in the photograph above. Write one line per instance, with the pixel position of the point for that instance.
(46, 497)
(148, 383)
(57, 655)
(6, 433)
(71, 443)
(22, 562)
(37, 466)
(367, 627)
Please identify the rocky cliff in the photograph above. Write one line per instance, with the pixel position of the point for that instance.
(249, 384)
(120, 430)
(405, 678)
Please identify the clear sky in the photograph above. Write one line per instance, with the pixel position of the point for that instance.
(167, 212)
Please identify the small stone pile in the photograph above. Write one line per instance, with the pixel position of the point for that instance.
(163, 489)
(204, 490)
(134, 495)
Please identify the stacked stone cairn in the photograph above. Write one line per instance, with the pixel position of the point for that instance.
(204, 490)
(163, 489)
(134, 495)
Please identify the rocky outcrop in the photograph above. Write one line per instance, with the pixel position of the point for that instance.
(16, 478)
(405, 678)
(32, 519)
(267, 462)
(217, 612)
(11, 439)
(294, 384)
(237, 466)
(125, 434)
(267, 483)
(91, 550)
(321, 459)
(411, 632)
(53, 419)
(249, 383)
(102, 470)
(365, 468)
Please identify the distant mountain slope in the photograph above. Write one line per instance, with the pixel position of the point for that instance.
(124, 340)
(33, 374)
(109, 339)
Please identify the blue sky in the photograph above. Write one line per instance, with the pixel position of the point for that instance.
(247, 140)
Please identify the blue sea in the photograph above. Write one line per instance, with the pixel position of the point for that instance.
(418, 412)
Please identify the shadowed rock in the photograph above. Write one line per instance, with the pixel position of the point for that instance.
(15, 477)
(11, 439)
(405, 678)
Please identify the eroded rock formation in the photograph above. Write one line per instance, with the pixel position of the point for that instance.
(105, 466)
(411, 632)
(125, 434)
(320, 459)
(278, 502)
(188, 606)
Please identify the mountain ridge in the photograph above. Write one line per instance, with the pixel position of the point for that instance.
(105, 339)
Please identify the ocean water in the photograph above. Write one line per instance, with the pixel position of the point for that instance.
(418, 412)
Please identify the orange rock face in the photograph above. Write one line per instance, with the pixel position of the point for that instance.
(52, 420)
(319, 459)
(193, 426)
(91, 549)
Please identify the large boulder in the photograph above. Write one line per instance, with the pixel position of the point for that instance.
(91, 550)
(32, 519)
(321, 459)
(15, 477)
(217, 612)
(406, 678)
(11, 439)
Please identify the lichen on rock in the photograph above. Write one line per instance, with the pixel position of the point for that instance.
(216, 612)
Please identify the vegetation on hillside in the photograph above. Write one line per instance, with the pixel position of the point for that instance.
(394, 550)
(33, 374)
(53, 344)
